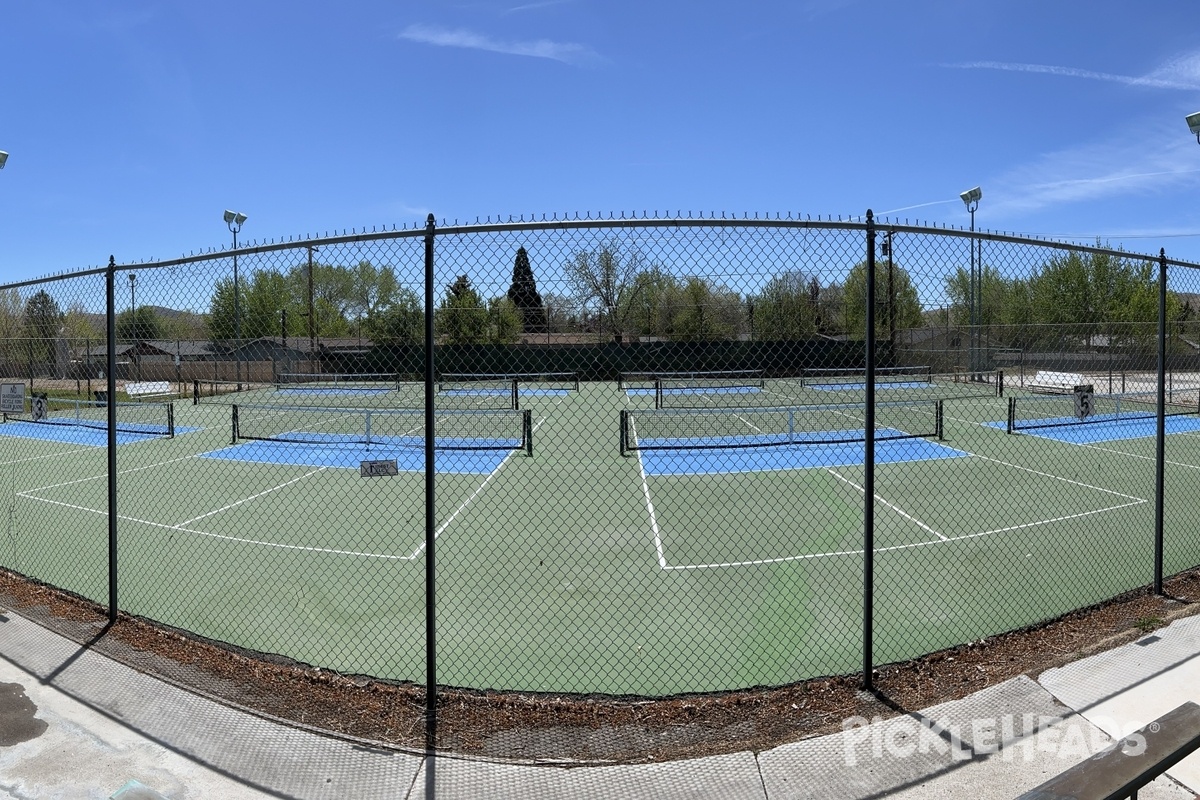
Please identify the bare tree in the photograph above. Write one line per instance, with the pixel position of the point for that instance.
(603, 277)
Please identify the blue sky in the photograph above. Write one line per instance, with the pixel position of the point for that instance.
(132, 125)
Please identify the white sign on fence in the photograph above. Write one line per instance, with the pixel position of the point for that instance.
(12, 398)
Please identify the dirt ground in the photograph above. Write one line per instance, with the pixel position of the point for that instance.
(598, 729)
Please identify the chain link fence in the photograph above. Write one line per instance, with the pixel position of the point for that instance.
(651, 445)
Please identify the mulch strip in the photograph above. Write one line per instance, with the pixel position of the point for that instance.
(600, 728)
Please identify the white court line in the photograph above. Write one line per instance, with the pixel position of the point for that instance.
(251, 497)
(105, 475)
(910, 546)
(1136, 455)
(1059, 478)
(474, 494)
(944, 540)
(892, 506)
(238, 539)
(49, 455)
(658, 545)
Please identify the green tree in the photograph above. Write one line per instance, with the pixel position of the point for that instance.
(787, 308)
(11, 325)
(649, 304)
(461, 318)
(221, 324)
(523, 294)
(138, 325)
(706, 313)
(42, 323)
(904, 304)
(263, 304)
(504, 321)
(400, 322)
(372, 289)
(1099, 294)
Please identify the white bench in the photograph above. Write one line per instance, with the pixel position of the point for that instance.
(1049, 382)
(146, 390)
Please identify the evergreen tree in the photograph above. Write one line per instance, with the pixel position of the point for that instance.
(524, 295)
(43, 320)
(462, 317)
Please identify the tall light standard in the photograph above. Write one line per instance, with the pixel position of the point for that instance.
(885, 249)
(234, 220)
(971, 199)
(133, 321)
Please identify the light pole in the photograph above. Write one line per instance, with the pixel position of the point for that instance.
(886, 249)
(1193, 121)
(234, 220)
(133, 324)
(971, 199)
(3, 158)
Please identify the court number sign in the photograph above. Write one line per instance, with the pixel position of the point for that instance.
(1084, 397)
(12, 398)
(381, 468)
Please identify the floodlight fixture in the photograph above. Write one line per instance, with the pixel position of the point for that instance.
(3, 158)
(234, 218)
(1193, 121)
(971, 196)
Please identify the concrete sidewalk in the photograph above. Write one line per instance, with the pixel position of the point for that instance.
(75, 724)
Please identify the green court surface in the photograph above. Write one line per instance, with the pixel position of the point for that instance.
(579, 570)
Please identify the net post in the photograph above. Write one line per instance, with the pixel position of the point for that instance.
(658, 393)
(170, 420)
(1012, 414)
(233, 438)
(195, 393)
(624, 432)
(516, 394)
(939, 415)
(367, 423)
(527, 431)
(1000, 383)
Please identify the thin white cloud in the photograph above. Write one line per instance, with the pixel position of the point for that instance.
(566, 52)
(536, 6)
(1181, 73)
(918, 205)
(1135, 162)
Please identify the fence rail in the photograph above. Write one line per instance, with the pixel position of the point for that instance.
(711, 555)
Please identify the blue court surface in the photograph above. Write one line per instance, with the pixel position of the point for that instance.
(1099, 429)
(348, 455)
(698, 390)
(77, 434)
(862, 387)
(333, 390)
(790, 457)
(544, 392)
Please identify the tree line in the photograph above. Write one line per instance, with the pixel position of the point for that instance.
(622, 295)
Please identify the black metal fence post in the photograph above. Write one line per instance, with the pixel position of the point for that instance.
(111, 320)
(1161, 434)
(869, 469)
(430, 505)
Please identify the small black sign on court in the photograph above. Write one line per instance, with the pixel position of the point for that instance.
(379, 468)
(1084, 396)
